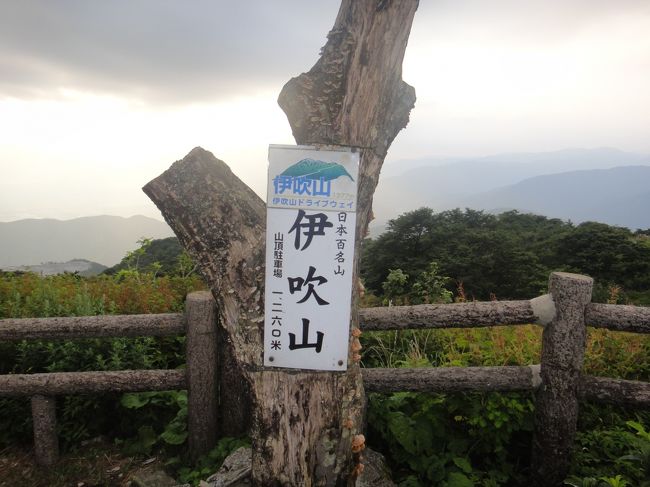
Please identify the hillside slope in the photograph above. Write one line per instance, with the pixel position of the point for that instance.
(449, 183)
(103, 239)
(618, 196)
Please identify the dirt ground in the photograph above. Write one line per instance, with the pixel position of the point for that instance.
(92, 465)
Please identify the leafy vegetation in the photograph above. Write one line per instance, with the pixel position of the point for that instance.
(163, 257)
(508, 256)
(428, 439)
(159, 422)
(484, 439)
(210, 463)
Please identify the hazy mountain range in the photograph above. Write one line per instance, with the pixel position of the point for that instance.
(82, 267)
(605, 185)
(102, 239)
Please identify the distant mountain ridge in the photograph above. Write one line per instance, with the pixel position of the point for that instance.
(605, 185)
(480, 183)
(549, 162)
(103, 239)
(617, 196)
(82, 267)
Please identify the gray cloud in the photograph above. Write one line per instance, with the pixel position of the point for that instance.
(172, 51)
(528, 22)
(158, 50)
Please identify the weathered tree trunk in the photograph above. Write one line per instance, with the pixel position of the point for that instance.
(305, 423)
(563, 349)
(235, 410)
(354, 95)
(221, 222)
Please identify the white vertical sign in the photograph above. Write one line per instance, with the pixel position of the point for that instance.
(310, 236)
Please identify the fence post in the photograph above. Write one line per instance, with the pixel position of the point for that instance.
(46, 442)
(201, 352)
(556, 409)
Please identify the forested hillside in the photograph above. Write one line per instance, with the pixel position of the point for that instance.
(163, 256)
(508, 256)
(477, 255)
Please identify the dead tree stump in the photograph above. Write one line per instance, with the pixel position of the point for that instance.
(304, 423)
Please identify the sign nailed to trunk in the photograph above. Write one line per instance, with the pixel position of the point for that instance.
(310, 237)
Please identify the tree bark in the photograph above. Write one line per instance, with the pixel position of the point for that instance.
(221, 223)
(353, 96)
(296, 431)
(556, 409)
(304, 422)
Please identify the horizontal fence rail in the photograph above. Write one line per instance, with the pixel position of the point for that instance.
(59, 383)
(635, 319)
(499, 379)
(618, 317)
(104, 326)
(614, 391)
(384, 380)
(452, 379)
(457, 315)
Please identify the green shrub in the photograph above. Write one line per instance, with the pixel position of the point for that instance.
(81, 417)
(452, 440)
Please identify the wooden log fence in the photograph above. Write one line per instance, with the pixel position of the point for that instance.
(452, 379)
(500, 379)
(558, 382)
(457, 315)
(617, 317)
(199, 377)
(105, 326)
(46, 443)
(60, 383)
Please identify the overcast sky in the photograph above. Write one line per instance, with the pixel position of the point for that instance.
(98, 97)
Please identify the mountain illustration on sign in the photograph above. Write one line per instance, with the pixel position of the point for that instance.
(313, 169)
